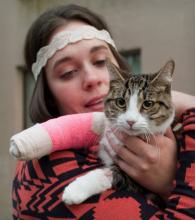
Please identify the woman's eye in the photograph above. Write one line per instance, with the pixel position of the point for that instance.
(147, 104)
(100, 62)
(68, 74)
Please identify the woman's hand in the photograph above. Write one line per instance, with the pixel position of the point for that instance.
(151, 164)
(182, 102)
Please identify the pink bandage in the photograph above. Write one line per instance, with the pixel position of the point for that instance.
(72, 131)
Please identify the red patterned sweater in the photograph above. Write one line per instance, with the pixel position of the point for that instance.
(38, 186)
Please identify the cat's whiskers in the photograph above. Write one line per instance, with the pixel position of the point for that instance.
(147, 134)
(151, 134)
(94, 141)
(112, 118)
(146, 137)
(115, 127)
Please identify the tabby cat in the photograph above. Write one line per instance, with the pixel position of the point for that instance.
(137, 104)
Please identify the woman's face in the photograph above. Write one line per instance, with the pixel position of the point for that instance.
(77, 75)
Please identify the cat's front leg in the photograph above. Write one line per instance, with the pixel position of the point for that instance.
(83, 187)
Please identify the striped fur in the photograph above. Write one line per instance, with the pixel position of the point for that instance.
(138, 104)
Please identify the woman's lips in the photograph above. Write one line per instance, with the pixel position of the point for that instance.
(96, 104)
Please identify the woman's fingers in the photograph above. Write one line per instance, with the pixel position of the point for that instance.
(140, 148)
(151, 164)
(112, 144)
(133, 151)
(127, 168)
(120, 150)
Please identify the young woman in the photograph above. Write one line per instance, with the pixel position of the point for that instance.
(71, 77)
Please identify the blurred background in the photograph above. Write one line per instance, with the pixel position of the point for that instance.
(148, 33)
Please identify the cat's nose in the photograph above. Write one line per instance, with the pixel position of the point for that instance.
(130, 123)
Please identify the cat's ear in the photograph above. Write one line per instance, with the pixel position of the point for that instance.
(165, 74)
(115, 72)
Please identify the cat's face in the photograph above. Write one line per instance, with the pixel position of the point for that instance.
(140, 103)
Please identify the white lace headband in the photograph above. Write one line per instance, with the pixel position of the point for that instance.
(60, 40)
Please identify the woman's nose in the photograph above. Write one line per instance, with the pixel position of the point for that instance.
(91, 78)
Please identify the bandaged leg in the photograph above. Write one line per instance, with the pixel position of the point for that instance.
(66, 132)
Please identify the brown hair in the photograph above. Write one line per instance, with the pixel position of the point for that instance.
(43, 105)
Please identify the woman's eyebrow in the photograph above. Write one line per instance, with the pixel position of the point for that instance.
(68, 58)
(96, 48)
(62, 60)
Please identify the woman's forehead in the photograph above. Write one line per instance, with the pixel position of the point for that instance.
(80, 46)
(80, 49)
(75, 38)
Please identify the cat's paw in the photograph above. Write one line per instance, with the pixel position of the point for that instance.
(92, 183)
(74, 194)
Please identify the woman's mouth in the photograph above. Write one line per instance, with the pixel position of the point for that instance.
(96, 103)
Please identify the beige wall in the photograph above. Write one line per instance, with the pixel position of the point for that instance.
(163, 29)
(10, 97)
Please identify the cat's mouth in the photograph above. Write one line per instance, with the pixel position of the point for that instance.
(135, 131)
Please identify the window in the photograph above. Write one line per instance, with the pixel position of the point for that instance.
(133, 57)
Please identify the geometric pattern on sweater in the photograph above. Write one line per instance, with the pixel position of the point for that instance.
(38, 186)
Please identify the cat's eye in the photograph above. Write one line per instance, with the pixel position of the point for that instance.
(120, 102)
(147, 104)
